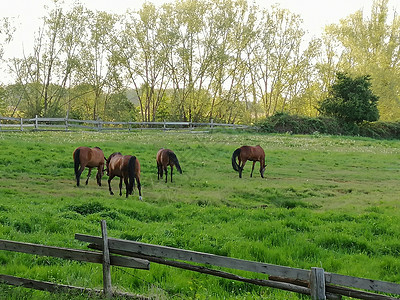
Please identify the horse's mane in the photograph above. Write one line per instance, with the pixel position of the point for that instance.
(115, 153)
(97, 148)
(112, 155)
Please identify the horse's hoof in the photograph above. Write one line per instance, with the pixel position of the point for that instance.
(140, 198)
(111, 193)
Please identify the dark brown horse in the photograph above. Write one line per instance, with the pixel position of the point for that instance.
(91, 158)
(165, 158)
(127, 168)
(250, 153)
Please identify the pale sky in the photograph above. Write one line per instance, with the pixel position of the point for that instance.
(315, 13)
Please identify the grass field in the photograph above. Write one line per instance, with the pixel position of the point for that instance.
(330, 202)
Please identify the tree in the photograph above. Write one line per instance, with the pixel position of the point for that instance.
(6, 33)
(370, 44)
(97, 67)
(351, 100)
(42, 77)
(276, 60)
(140, 48)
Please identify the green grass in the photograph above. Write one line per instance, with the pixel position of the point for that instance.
(328, 202)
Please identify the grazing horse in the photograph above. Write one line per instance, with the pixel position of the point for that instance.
(127, 168)
(165, 158)
(88, 157)
(246, 153)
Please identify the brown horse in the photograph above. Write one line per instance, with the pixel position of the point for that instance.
(127, 168)
(165, 158)
(246, 153)
(88, 157)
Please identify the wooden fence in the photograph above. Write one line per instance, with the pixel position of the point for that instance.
(315, 282)
(65, 124)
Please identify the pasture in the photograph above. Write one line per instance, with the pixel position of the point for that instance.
(330, 202)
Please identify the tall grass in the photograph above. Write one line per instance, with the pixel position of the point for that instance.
(330, 202)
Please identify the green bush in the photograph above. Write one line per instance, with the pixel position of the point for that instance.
(387, 130)
(293, 124)
(351, 100)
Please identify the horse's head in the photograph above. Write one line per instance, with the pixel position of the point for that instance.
(106, 166)
(107, 169)
(262, 171)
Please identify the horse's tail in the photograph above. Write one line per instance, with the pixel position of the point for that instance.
(77, 163)
(174, 159)
(235, 154)
(131, 172)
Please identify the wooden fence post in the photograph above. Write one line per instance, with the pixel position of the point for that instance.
(99, 124)
(22, 124)
(317, 284)
(36, 122)
(212, 124)
(107, 289)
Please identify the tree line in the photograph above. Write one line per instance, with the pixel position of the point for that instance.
(197, 60)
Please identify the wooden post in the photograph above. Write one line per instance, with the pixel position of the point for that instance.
(22, 124)
(212, 124)
(164, 125)
(107, 289)
(317, 284)
(99, 124)
(66, 121)
(36, 122)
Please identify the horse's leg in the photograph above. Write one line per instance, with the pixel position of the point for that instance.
(120, 186)
(241, 168)
(252, 169)
(166, 173)
(158, 171)
(139, 186)
(126, 181)
(109, 184)
(171, 172)
(88, 175)
(99, 174)
(262, 162)
(78, 177)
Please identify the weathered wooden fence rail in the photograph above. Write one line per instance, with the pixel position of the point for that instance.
(43, 124)
(315, 282)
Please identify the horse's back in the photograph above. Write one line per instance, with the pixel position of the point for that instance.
(114, 163)
(252, 153)
(159, 154)
(91, 157)
(83, 153)
(260, 150)
(163, 156)
(120, 163)
(95, 157)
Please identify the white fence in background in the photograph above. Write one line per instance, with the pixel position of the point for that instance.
(66, 124)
